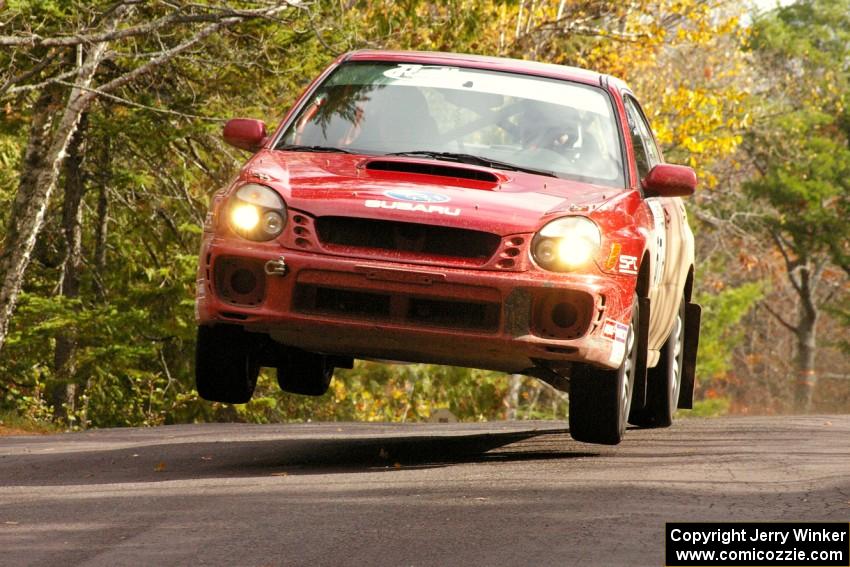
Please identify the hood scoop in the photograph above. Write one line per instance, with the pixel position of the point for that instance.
(462, 176)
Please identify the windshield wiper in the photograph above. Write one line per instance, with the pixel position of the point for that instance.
(300, 148)
(475, 160)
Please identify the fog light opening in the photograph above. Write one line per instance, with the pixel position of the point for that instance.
(564, 315)
(243, 281)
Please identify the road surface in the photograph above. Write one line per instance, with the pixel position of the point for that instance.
(504, 493)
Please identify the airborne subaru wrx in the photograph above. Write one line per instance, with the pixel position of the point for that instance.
(462, 210)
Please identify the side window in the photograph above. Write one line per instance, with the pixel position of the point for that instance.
(646, 152)
(648, 140)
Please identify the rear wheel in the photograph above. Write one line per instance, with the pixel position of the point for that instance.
(600, 400)
(226, 366)
(665, 380)
(302, 372)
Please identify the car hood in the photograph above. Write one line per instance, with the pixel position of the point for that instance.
(422, 190)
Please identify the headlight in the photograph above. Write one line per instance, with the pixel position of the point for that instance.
(566, 244)
(257, 212)
(245, 217)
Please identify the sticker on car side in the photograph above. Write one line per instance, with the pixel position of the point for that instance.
(618, 333)
(628, 264)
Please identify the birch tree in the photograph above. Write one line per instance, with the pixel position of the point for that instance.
(65, 68)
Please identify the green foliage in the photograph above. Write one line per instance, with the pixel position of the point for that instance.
(373, 391)
(808, 187)
(711, 407)
(721, 314)
(11, 148)
(815, 32)
(803, 148)
(840, 310)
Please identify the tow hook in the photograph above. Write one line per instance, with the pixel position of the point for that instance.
(276, 267)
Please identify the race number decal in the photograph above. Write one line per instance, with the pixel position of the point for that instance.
(660, 238)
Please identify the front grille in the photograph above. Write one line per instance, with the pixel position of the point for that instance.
(345, 302)
(397, 307)
(456, 314)
(421, 239)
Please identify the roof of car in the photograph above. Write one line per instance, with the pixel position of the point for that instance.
(481, 62)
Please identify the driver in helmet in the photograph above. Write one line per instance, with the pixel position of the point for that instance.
(543, 125)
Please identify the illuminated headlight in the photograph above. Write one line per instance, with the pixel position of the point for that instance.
(566, 244)
(257, 212)
(245, 217)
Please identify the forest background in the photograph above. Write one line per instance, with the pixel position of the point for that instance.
(110, 147)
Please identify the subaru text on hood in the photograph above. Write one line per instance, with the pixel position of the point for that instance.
(463, 210)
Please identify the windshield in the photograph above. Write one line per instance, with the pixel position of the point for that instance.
(512, 121)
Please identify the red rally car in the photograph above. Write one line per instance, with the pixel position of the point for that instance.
(463, 210)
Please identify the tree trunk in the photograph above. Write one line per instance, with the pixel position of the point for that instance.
(102, 227)
(37, 183)
(66, 390)
(806, 333)
(806, 374)
(35, 156)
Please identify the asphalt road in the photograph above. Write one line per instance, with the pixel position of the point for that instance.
(505, 493)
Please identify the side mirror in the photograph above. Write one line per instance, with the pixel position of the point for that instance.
(245, 133)
(668, 180)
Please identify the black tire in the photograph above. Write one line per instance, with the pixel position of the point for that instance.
(305, 373)
(600, 400)
(665, 380)
(226, 366)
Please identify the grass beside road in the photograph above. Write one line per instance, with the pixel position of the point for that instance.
(14, 424)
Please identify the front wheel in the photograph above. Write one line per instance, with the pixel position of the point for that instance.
(600, 400)
(226, 366)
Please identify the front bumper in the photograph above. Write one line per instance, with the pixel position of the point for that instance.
(505, 321)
